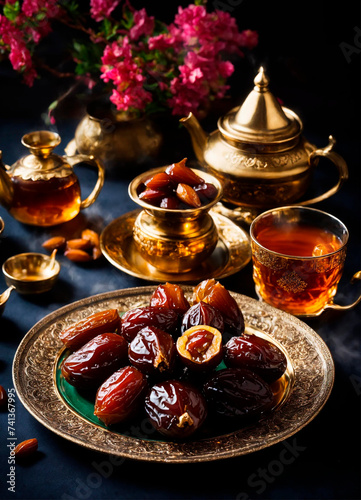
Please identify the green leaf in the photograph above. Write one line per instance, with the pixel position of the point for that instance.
(11, 11)
(88, 57)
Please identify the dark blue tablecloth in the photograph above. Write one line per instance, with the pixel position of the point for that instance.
(323, 459)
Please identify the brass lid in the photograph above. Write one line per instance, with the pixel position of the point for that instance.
(260, 119)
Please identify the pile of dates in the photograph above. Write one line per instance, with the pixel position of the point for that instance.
(178, 362)
(178, 187)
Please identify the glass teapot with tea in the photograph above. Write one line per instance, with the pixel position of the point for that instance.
(41, 188)
(260, 155)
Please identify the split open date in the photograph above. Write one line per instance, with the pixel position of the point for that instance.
(179, 361)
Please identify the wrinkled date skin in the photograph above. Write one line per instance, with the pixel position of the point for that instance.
(237, 392)
(75, 336)
(175, 409)
(90, 365)
(136, 319)
(200, 348)
(215, 294)
(153, 351)
(120, 396)
(256, 354)
(202, 314)
(170, 296)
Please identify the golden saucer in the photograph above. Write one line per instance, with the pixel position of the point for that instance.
(232, 253)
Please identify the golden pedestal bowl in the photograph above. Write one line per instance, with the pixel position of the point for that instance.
(174, 240)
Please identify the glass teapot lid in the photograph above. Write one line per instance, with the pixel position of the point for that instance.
(260, 119)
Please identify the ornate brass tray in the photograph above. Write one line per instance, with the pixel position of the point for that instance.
(231, 254)
(40, 389)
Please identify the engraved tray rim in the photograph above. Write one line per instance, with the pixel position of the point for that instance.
(33, 369)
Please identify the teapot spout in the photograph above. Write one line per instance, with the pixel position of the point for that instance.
(198, 136)
(6, 188)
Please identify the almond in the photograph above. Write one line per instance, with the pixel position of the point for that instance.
(76, 255)
(97, 253)
(3, 397)
(26, 448)
(79, 243)
(92, 236)
(55, 243)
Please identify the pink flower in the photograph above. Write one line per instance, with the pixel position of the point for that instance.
(161, 42)
(31, 7)
(101, 9)
(249, 39)
(121, 68)
(19, 54)
(143, 25)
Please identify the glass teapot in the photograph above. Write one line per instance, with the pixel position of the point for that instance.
(41, 188)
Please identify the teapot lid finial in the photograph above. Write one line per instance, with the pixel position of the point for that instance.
(261, 80)
(261, 118)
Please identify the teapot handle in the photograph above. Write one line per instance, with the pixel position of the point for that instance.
(338, 161)
(93, 162)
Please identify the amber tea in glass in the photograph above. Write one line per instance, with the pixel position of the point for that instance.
(298, 256)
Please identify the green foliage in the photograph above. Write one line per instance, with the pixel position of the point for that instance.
(87, 57)
(11, 11)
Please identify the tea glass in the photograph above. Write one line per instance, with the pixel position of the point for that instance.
(301, 283)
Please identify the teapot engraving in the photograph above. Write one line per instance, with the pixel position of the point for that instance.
(259, 154)
(41, 188)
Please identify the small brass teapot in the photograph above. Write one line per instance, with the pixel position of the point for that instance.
(41, 188)
(259, 153)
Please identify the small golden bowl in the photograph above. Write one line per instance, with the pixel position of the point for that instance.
(2, 225)
(31, 272)
(174, 240)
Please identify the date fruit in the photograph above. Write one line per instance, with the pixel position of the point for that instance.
(120, 396)
(170, 296)
(238, 392)
(3, 397)
(187, 194)
(202, 314)
(215, 294)
(153, 351)
(176, 409)
(200, 347)
(256, 354)
(135, 319)
(77, 335)
(25, 449)
(178, 187)
(90, 365)
(159, 181)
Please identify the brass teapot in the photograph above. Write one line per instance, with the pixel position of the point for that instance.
(259, 154)
(41, 188)
(116, 138)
